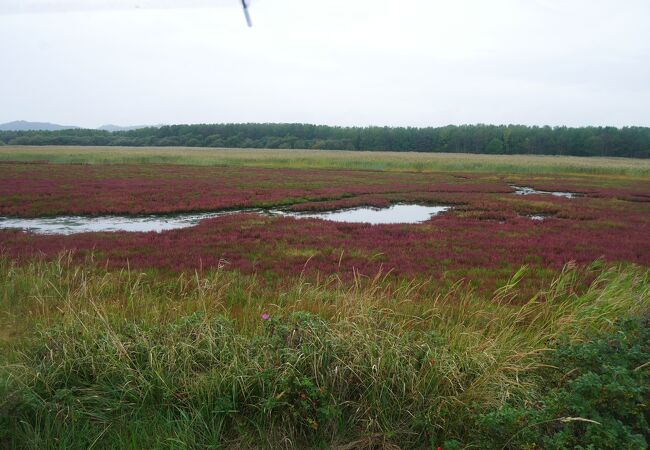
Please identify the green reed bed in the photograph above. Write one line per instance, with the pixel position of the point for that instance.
(330, 159)
(121, 359)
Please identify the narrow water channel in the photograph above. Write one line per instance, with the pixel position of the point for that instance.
(395, 214)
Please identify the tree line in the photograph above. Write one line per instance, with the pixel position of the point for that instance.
(491, 139)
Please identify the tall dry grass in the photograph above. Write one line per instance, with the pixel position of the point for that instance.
(98, 358)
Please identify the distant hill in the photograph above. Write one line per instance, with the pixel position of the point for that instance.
(113, 128)
(21, 125)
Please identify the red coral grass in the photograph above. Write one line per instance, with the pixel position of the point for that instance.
(487, 229)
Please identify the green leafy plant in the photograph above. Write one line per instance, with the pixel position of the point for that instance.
(596, 396)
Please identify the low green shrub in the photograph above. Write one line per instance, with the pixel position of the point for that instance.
(596, 396)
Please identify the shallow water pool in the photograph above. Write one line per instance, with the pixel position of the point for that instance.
(526, 190)
(394, 214)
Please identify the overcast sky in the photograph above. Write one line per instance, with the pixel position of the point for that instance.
(339, 62)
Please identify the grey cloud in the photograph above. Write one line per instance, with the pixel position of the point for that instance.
(332, 61)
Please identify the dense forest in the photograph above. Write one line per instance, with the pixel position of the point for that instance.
(503, 139)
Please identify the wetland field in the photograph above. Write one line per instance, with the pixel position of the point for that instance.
(217, 298)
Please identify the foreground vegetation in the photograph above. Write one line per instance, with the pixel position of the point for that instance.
(124, 359)
(327, 159)
(490, 139)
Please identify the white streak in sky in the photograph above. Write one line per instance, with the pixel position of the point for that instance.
(57, 6)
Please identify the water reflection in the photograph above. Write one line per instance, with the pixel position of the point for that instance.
(394, 214)
(79, 224)
(526, 190)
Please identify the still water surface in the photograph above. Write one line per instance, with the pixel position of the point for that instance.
(394, 214)
(525, 190)
(400, 213)
(82, 224)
